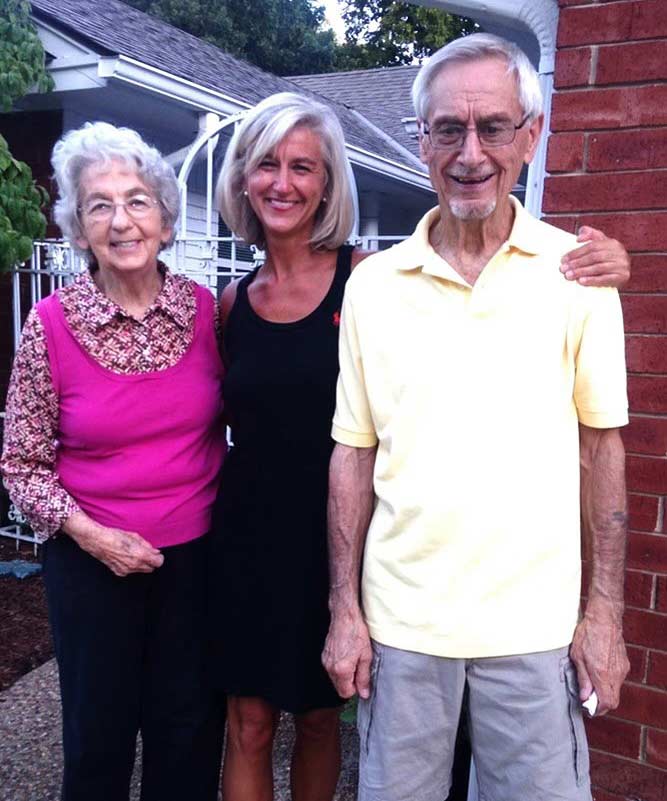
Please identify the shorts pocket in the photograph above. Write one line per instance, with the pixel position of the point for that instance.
(576, 718)
(366, 706)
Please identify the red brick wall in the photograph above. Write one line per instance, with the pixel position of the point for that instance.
(608, 162)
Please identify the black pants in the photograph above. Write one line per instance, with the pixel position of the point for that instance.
(132, 657)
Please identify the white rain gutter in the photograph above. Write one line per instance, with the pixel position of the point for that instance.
(135, 73)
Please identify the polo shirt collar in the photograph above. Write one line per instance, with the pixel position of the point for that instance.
(526, 232)
(419, 254)
(101, 310)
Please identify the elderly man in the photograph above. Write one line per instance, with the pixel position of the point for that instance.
(476, 387)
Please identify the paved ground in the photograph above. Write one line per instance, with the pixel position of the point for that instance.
(31, 754)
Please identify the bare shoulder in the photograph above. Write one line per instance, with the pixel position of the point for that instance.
(359, 255)
(227, 300)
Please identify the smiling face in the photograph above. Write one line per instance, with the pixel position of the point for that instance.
(121, 243)
(473, 181)
(286, 188)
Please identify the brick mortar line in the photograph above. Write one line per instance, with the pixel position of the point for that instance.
(631, 129)
(658, 535)
(615, 212)
(654, 592)
(643, 736)
(607, 172)
(639, 762)
(638, 83)
(643, 686)
(592, 73)
(662, 615)
(565, 48)
(608, 87)
(644, 573)
(623, 214)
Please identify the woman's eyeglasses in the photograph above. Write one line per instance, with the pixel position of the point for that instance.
(137, 206)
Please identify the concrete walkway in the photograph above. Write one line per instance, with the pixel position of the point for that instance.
(31, 752)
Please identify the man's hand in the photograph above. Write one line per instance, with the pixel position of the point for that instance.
(123, 552)
(600, 262)
(347, 655)
(598, 653)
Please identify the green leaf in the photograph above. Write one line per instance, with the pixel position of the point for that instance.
(23, 248)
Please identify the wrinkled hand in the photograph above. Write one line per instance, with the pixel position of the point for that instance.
(599, 655)
(123, 552)
(347, 655)
(600, 262)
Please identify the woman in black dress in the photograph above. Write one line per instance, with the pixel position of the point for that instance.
(285, 187)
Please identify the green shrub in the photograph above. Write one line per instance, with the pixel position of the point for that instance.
(21, 69)
(21, 219)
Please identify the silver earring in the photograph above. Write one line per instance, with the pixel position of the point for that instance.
(324, 199)
(245, 193)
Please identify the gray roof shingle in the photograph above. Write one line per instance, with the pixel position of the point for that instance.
(382, 95)
(118, 29)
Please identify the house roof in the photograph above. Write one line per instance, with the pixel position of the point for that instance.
(114, 28)
(382, 95)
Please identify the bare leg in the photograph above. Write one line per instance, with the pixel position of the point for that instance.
(316, 757)
(247, 773)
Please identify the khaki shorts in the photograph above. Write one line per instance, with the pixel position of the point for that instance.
(525, 722)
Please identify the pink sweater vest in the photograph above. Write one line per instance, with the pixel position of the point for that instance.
(140, 452)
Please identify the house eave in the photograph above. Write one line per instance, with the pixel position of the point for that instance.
(129, 71)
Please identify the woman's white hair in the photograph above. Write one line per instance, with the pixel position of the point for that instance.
(472, 48)
(256, 137)
(98, 144)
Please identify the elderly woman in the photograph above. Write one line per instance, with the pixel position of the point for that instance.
(285, 187)
(113, 445)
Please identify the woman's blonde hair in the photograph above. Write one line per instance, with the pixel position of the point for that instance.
(256, 137)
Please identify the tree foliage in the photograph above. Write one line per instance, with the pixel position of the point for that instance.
(21, 219)
(386, 33)
(21, 54)
(280, 36)
(21, 68)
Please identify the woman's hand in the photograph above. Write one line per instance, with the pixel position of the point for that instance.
(599, 262)
(123, 552)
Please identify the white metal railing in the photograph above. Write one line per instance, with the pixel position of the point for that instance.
(378, 242)
(55, 264)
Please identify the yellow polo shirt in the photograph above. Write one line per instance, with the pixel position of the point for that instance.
(473, 396)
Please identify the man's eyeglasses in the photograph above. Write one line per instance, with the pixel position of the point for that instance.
(451, 135)
(137, 207)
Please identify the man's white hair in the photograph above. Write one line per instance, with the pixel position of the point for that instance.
(473, 48)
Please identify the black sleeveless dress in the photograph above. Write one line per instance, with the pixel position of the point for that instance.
(269, 561)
